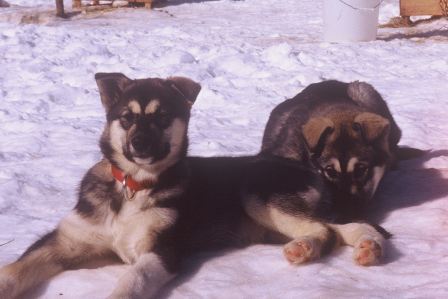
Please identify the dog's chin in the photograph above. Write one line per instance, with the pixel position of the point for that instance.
(143, 160)
(140, 158)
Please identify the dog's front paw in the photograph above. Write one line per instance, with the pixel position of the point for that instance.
(368, 252)
(301, 250)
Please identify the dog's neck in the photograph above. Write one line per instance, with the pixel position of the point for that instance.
(137, 172)
(143, 173)
(129, 181)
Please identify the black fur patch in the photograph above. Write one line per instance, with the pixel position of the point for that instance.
(84, 207)
(285, 184)
(330, 242)
(387, 235)
(96, 195)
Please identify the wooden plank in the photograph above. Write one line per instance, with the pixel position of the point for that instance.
(148, 3)
(420, 8)
(76, 3)
(79, 3)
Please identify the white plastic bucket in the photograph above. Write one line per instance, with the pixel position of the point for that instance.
(350, 20)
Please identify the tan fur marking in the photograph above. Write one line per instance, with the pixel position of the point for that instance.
(296, 227)
(134, 106)
(74, 227)
(378, 173)
(117, 136)
(27, 273)
(314, 128)
(134, 229)
(367, 241)
(143, 280)
(293, 226)
(373, 125)
(351, 164)
(353, 189)
(336, 164)
(76, 241)
(152, 107)
(353, 233)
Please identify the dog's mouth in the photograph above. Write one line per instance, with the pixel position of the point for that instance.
(142, 159)
(148, 155)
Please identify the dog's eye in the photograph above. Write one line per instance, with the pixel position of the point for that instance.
(164, 118)
(331, 172)
(360, 171)
(126, 118)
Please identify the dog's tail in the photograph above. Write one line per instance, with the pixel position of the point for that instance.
(408, 153)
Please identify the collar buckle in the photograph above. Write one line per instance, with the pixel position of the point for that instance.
(129, 195)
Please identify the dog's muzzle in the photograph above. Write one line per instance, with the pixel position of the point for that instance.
(144, 148)
(141, 144)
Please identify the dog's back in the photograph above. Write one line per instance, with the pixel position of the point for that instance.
(282, 135)
(212, 215)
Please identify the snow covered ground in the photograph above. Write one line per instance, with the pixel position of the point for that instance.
(249, 56)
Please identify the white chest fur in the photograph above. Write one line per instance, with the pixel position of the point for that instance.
(136, 227)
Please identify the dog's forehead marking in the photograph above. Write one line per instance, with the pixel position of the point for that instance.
(351, 164)
(152, 106)
(353, 189)
(134, 106)
(336, 164)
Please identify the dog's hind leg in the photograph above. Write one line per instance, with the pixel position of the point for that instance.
(57, 251)
(310, 238)
(367, 241)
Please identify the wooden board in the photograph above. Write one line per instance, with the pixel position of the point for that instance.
(420, 8)
(79, 3)
(148, 3)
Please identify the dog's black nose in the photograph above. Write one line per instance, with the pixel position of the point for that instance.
(140, 143)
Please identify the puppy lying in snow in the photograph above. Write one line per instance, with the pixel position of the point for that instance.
(151, 206)
(344, 131)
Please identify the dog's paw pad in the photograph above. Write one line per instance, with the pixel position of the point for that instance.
(368, 253)
(300, 250)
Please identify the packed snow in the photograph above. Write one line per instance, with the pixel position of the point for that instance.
(248, 56)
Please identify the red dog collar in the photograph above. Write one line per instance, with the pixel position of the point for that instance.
(128, 182)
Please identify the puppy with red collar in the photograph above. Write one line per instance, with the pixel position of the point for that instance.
(151, 206)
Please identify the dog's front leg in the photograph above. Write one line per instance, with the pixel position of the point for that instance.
(367, 241)
(144, 278)
(310, 238)
(69, 245)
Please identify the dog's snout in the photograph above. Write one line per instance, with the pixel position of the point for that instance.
(140, 142)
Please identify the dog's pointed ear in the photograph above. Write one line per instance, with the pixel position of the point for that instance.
(111, 87)
(186, 87)
(371, 126)
(316, 131)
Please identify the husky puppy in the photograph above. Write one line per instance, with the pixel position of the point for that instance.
(149, 205)
(343, 130)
